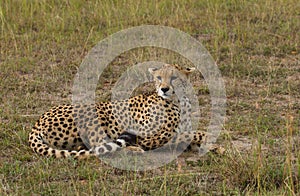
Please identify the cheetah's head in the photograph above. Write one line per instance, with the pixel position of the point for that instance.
(166, 76)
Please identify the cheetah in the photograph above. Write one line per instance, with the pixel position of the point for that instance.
(147, 121)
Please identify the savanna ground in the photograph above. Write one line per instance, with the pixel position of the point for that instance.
(255, 45)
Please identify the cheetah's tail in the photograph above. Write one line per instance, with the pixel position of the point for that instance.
(38, 145)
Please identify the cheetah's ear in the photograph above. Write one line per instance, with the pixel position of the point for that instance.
(152, 70)
(188, 71)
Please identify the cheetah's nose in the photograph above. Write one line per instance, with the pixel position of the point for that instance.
(164, 90)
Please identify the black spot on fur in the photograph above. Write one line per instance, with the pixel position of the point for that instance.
(108, 147)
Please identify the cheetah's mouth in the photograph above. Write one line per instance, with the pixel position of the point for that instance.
(164, 95)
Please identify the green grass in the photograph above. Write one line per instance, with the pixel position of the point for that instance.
(255, 44)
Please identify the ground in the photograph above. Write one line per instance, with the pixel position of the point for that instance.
(255, 45)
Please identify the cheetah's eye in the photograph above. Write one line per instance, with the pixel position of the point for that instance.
(159, 78)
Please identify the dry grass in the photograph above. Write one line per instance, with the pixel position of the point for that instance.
(255, 44)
